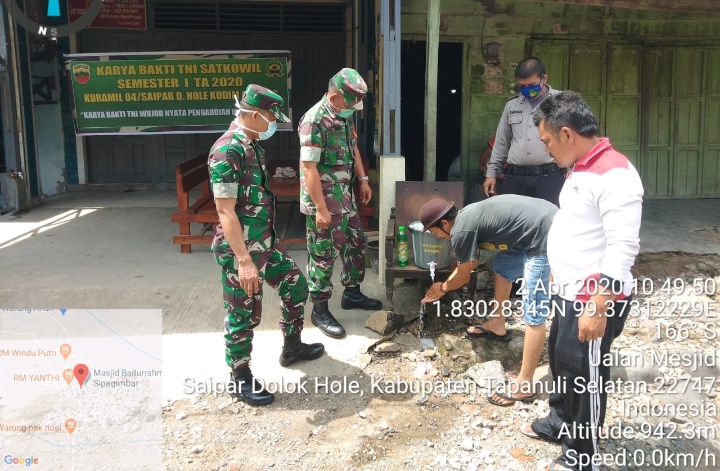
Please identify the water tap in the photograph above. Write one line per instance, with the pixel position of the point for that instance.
(432, 270)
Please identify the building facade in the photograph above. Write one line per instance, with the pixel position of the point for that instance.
(649, 69)
(322, 36)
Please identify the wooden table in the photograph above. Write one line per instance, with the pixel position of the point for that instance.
(290, 188)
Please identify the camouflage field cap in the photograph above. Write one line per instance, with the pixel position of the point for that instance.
(261, 97)
(351, 84)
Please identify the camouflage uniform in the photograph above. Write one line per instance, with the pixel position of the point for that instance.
(237, 170)
(329, 140)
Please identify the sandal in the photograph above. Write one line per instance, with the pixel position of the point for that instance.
(487, 334)
(526, 429)
(513, 400)
(558, 465)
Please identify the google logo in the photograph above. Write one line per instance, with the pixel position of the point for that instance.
(8, 459)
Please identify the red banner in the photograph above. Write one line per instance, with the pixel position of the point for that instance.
(115, 14)
(33, 11)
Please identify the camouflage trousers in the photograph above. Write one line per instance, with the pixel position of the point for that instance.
(345, 237)
(276, 269)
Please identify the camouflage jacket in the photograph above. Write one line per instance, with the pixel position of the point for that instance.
(329, 141)
(237, 170)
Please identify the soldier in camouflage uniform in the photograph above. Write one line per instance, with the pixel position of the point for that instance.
(330, 162)
(245, 243)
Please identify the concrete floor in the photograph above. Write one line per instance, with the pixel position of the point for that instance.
(101, 249)
(691, 226)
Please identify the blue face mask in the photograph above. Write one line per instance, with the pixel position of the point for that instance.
(272, 127)
(262, 135)
(532, 91)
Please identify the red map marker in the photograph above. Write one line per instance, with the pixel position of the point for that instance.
(81, 373)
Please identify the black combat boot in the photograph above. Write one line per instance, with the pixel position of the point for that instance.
(246, 388)
(294, 350)
(352, 298)
(324, 320)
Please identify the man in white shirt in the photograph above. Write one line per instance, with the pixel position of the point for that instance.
(592, 245)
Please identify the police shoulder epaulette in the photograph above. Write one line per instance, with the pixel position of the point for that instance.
(513, 97)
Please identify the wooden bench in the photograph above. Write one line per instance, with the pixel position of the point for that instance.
(193, 173)
(189, 175)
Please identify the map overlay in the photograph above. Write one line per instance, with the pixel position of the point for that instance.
(80, 389)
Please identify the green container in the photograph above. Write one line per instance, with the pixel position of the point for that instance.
(402, 247)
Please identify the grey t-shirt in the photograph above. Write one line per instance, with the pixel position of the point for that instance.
(501, 223)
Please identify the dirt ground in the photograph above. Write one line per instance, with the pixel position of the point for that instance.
(378, 428)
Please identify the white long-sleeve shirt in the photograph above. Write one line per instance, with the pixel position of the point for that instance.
(595, 235)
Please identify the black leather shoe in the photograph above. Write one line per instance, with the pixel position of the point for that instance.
(324, 320)
(245, 387)
(352, 298)
(294, 350)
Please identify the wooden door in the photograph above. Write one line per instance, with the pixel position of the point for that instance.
(680, 122)
(622, 116)
(710, 166)
(657, 130)
(586, 75)
(660, 106)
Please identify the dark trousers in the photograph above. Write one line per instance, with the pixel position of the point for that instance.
(546, 187)
(575, 412)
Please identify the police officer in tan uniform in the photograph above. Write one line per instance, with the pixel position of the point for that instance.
(530, 171)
